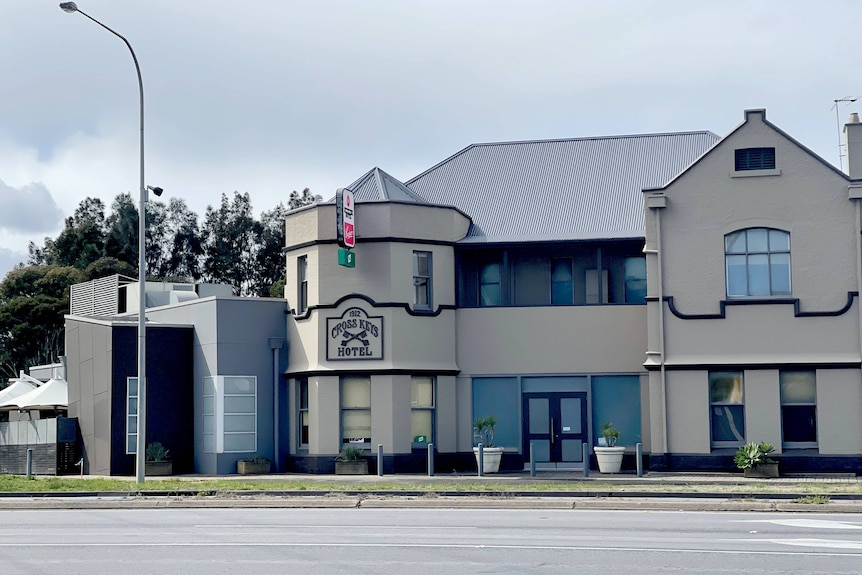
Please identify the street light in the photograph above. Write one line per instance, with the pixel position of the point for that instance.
(141, 444)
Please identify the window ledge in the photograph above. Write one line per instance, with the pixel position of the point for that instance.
(754, 173)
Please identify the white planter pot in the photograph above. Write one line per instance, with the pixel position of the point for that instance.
(610, 458)
(492, 456)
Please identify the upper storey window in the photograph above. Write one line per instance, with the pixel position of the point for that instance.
(755, 159)
(757, 262)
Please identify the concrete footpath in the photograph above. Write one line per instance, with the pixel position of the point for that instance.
(547, 490)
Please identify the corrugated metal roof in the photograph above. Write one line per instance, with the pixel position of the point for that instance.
(571, 189)
(378, 185)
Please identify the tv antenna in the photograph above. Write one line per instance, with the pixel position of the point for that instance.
(845, 100)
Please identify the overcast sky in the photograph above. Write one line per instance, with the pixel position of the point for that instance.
(270, 96)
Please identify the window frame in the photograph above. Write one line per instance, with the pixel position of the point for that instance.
(798, 444)
(131, 432)
(748, 253)
(432, 438)
(303, 424)
(418, 280)
(302, 283)
(214, 388)
(365, 445)
(499, 283)
(571, 265)
(718, 443)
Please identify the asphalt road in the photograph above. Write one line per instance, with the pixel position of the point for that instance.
(424, 541)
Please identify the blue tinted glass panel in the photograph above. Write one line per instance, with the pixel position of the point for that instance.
(490, 274)
(728, 423)
(500, 397)
(736, 276)
(617, 399)
(489, 295)
(541, 450)
(561, 293)
(779, 241)
(779, 272)
(735, 243)
(758, 275)
(757, 240)
(636, 286)
(572, 450)
(799, 423)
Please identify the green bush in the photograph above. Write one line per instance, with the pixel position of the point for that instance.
(350, 453)
(484, 428)
(157, 452)
(753, 454)
(610, 433)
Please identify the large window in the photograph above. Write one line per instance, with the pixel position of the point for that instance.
(302, 385)
(726, 408)
(422, 410)
(798, 408)
(132, 415)
(302, 283)
(356, 411)
(422, 268)
(230, 414)
(757, 262)
(562, 282)
(490, 287)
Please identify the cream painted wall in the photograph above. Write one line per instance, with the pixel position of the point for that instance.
(763, 334)
(657, 414)
(580, 339)
(706, 203)
(762, 406)
(646, 425)
(688, 412)
(839, 411)
(324, 434)
(447, 414)
(464, 394)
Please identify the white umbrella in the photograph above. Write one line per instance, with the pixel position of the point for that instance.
(52, 394)
(20, 387)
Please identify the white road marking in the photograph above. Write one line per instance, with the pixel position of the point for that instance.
(807, 523)
(828, 543)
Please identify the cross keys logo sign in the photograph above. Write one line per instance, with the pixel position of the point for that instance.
(354, 335)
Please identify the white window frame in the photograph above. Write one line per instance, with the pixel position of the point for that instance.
(302, 283)
(748, 253)
(430, 408)
(219, 413)
(423, 282)
(131, 430)
(346, 408)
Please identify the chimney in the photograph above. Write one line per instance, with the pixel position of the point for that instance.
(853, 135)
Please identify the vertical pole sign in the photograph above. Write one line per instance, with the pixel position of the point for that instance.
(345, 229)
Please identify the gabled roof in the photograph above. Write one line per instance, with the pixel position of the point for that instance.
(570, 189)
(378, 185)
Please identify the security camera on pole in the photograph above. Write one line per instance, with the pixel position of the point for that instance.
(345, 230)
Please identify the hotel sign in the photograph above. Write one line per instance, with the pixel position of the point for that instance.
(354, 335)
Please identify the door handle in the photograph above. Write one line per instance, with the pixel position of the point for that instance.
(553, 433)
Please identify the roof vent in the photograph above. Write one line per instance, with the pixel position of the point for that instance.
(854, 118)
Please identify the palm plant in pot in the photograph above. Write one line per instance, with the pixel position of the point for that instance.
(483, 431)
(157, 460)
(609, 455)
(351, 461)
(755, 461)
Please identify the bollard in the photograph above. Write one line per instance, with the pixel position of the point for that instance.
(480, 461)
(430, 460)
(532, 459)
(586, 459)
(639, 458)
(380, 459)
(29, 463)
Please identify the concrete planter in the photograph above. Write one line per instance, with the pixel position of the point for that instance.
(355, 467)
(491, 458)
(246, 467)
(157, 468)
(610, 458)
(762, 471)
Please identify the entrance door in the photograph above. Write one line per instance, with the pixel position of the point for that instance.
(556, 423)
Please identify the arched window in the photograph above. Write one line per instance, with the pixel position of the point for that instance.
(757, 262)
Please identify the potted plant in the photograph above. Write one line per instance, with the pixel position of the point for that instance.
(351, 461)
(157, 460)
(483, 431)
(609, 456)
(253, 465)
(755, 461)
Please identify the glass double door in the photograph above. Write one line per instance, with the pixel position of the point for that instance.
(556, 424)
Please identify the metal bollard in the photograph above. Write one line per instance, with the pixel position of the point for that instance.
(532, 459)
(430, 460)
(29, 463)
(481, 460)
(586, 449)
(380, 459)
(639, 458)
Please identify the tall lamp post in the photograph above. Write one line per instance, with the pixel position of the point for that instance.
(141, 444)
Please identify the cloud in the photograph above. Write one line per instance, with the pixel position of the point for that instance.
(8, 260)
(28, 209)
